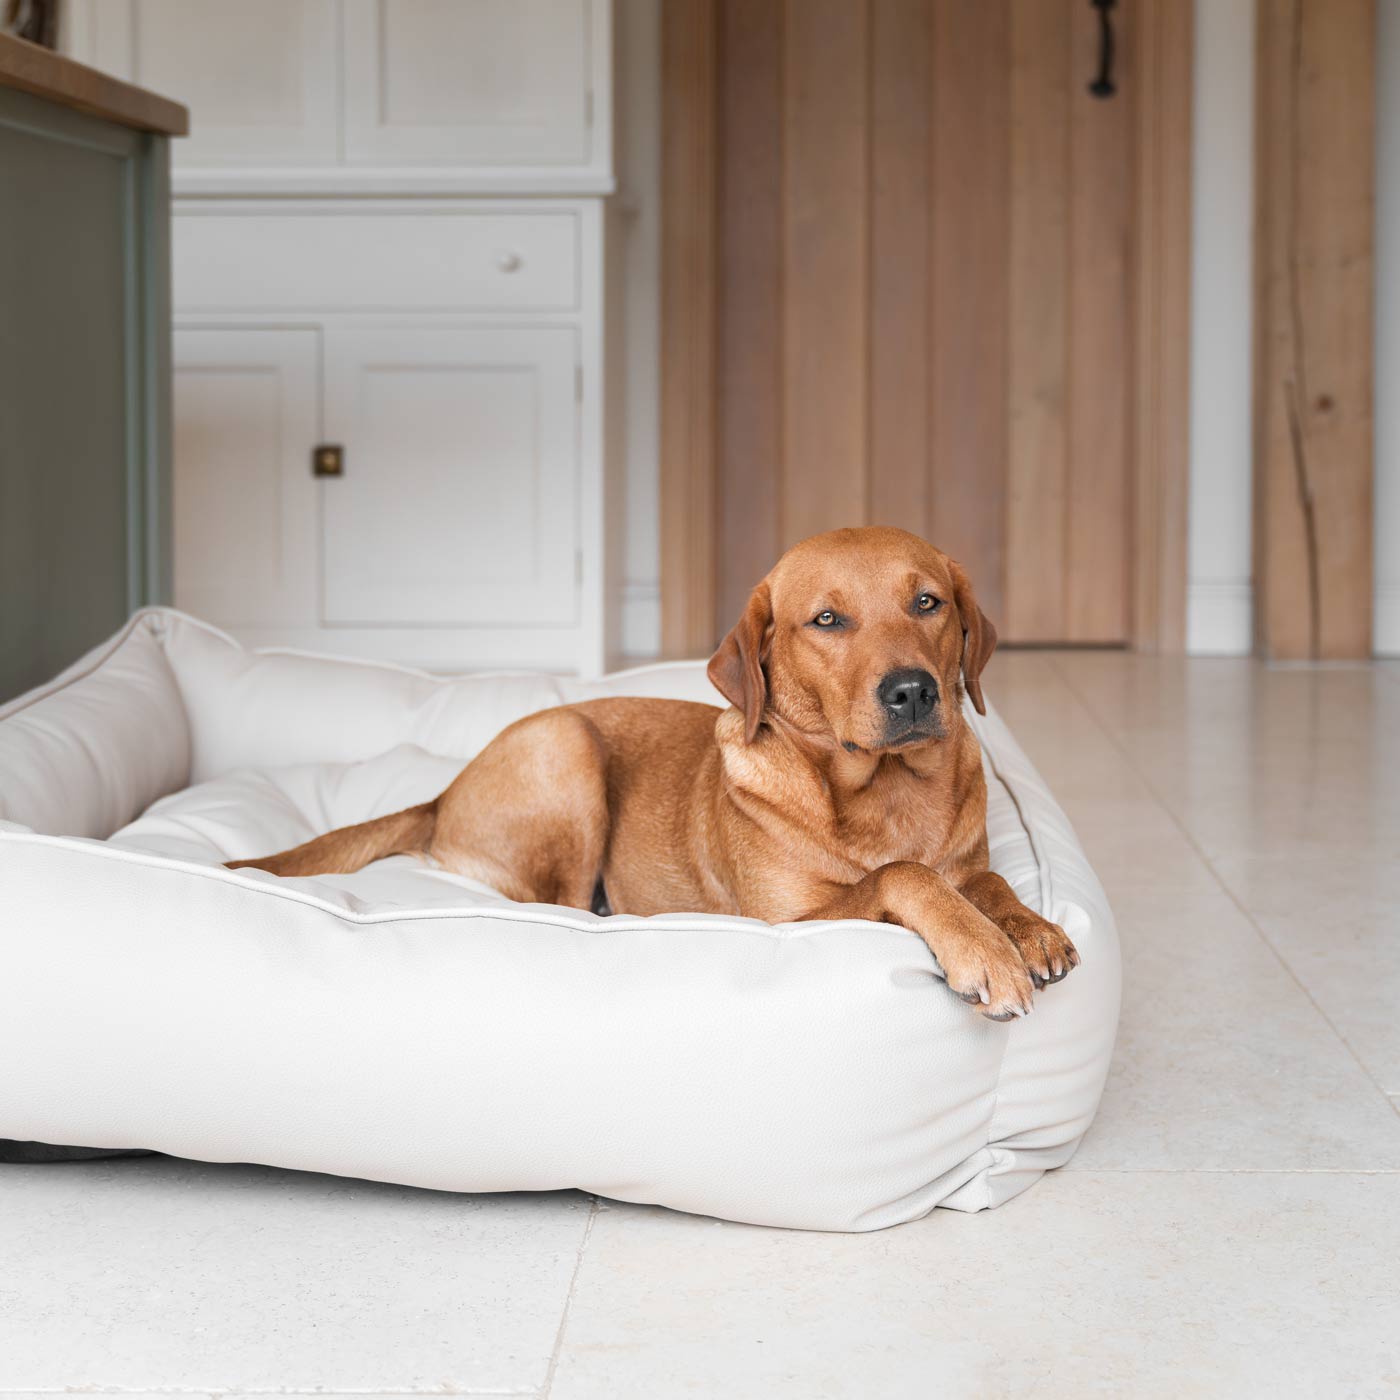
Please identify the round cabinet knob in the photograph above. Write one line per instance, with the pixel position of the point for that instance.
(508, 262)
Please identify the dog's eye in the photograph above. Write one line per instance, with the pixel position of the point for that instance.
(927, 603)
(825, 619)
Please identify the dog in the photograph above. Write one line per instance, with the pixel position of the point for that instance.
(843, 782)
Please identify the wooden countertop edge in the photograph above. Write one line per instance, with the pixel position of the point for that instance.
(30, 68)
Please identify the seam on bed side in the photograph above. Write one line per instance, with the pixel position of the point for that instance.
(63, 680)
(700, 924)
(1042, 864)
(1046, 895)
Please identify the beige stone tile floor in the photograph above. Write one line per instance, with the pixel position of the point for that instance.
(1230, 1227)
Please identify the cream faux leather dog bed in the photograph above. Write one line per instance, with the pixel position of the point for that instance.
(406, 1025)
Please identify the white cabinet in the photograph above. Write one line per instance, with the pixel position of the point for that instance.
(370, 96)
(262, 76)
(363, 255)
(388, 235)
(247, 413)
(465, 529)
(456, 509)
(458, 503)
(490, 82)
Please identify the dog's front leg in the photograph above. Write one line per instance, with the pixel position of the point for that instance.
(979, 961)
(1044, 948)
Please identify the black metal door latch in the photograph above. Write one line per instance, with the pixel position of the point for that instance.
(1102, 84)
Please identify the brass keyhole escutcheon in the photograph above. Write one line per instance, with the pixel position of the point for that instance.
(328, 459)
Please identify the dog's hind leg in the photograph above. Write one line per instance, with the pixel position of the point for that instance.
(529, 815)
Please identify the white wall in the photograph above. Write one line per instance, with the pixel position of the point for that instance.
(638, 99)
(1219, 601)
(1386, 632)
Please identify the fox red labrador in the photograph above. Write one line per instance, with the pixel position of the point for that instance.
(844, 782)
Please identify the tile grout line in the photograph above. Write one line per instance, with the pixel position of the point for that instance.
(1070, 1170)
(547, 1389)
(1190, 838)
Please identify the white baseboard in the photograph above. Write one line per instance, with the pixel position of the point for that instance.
(1219, 617)
(1385, 627)
(641, 618)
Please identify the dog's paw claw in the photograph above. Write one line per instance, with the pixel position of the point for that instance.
(1048, 954)
(1004, 997)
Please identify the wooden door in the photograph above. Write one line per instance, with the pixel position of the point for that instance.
(924, 303)
(247, 404)
(459, 500)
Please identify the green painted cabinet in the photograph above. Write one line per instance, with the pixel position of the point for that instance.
(84, 379)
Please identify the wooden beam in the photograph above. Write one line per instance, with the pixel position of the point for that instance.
(1162, 72)
(688, 226)
(969, 312)
(900, 95)
(749, 334)
(1313, 327)
(1098, 524)
(825, 301)
(1038, 366)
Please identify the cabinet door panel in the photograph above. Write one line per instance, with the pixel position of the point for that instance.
(458, 506)
(494, 82)
(258, 76)
(246, 418)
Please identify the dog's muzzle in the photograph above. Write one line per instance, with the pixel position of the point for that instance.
(908, 698)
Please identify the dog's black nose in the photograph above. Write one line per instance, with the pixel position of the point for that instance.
(907, 695)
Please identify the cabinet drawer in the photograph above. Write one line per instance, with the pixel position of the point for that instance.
(421, 261)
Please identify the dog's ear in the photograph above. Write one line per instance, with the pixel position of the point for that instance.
(979, 636)
(736, 669)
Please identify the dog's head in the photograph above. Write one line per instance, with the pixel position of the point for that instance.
(860, 638)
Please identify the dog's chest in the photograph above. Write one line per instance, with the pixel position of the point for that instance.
(900, 823)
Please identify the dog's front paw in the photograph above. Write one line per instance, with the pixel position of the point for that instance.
(991, 977)
(1044, 947)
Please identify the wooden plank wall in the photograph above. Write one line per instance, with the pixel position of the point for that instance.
(1313, 314)
(750, 339)
(688, 302)
(969, 310)
(1161, 321)
(924, 308)
(1099, 359)
(1041, 48)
